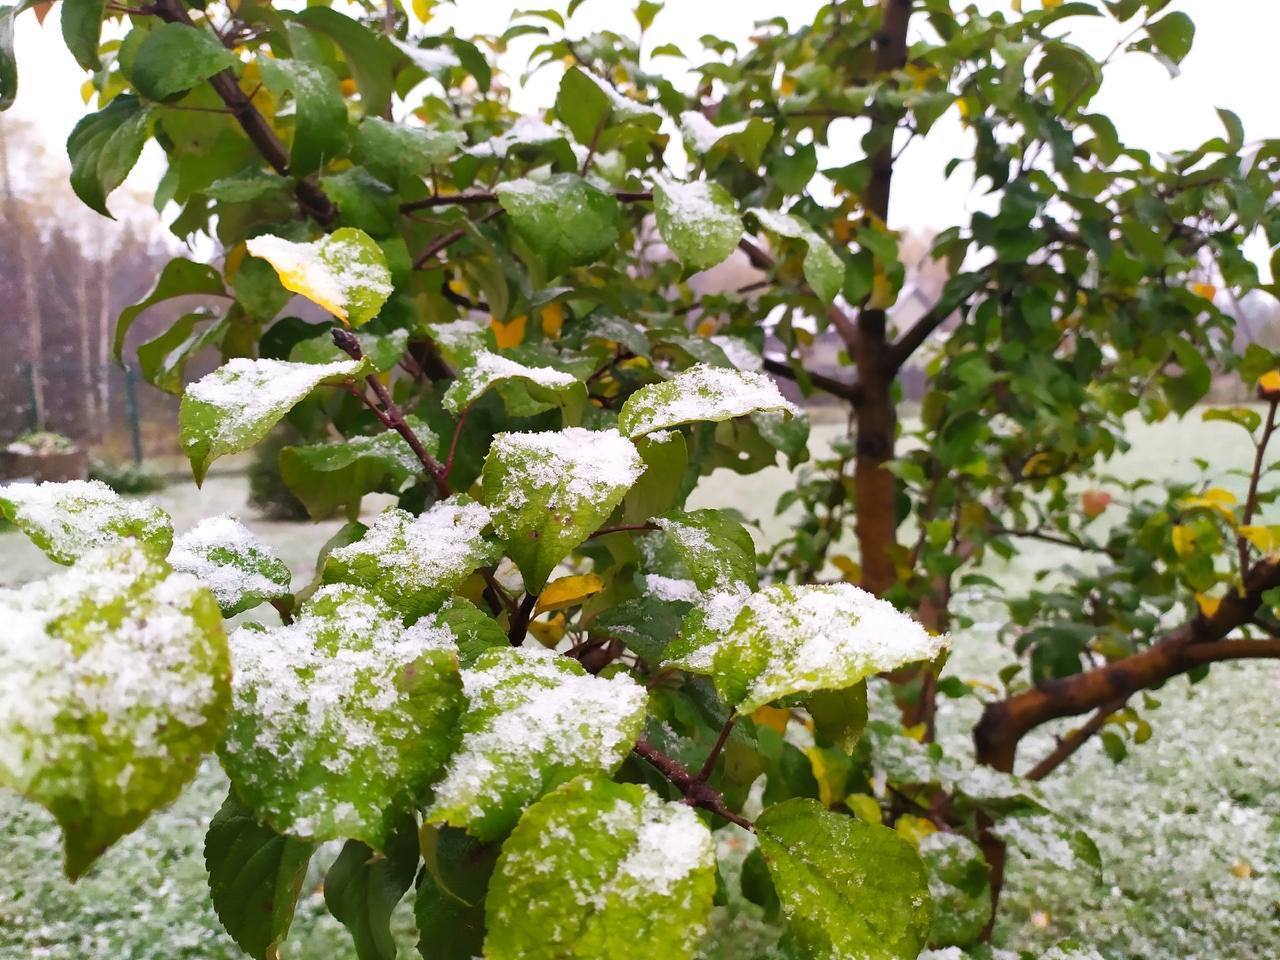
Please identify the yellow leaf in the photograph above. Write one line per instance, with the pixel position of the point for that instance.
(548, 632)
(772, 717)
(1269, 382)
(848, 566)
(1216, 499)
(1208, 605)
(511, 333)
(1241, 869)
(568, 592)
(914, 829)
(86, 91)
(916, 732)
(824, 775)
(864, 807)
(1264, 538)
(1017, 6)
(1184, 540)
(231, 263)
(706, 328)
(1038, 465)
(963, 106)
(635, 363)
(423, 9)
(552, 316)
(348, 87)
(803, 336)
(1206, 290)
(883, 295)
(787, 86)
(1052, 4)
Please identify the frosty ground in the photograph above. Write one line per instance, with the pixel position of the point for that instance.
(1189, 825)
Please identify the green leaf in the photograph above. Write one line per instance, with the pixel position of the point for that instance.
(81, 28)
(164, 359)
(340, 719)
(666, 458)
(959, 886)
(796, 639)
(115, 679)
(103, 147)
(174, 57)
(534, 720)
(345, 272)
(716, 550)
(414, 563)
(823, 267)
(368, 56)
(600, 869)
(1045, 837)
(485, 369)
(8, 61)
(255, 876)
(698, 221)
(68, 520)
(564, 220)
(179, 278)
(364, 201)
(363, 887)
(320, 121)
(448, 929)
(235, 406)
(745, 139)
(239, 570)
(550, 491)
(587, 105)
(392, 149)
(327, 477)
(1173, 35)
(839, 716)
(848, 888)
(473, 629)
(700, 393)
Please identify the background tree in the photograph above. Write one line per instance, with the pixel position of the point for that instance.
(387, 179)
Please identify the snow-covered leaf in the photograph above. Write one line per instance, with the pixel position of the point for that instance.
(598, 869)
(848, 888)
(486, 369)
(565, 220)
(67, 520)
(717, 551)
(698, 221)
(794, 639)
(745, 139)
(823, 267)
(550, 491)
(113, 684)
(345, 272)
(587, 105)
(235, 406)
(534, 720)
(389, 149)
(959, 886)
(341, 718)
(414, 563)
(238, 568)
(700, 393)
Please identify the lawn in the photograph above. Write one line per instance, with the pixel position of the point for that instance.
(1189, 825)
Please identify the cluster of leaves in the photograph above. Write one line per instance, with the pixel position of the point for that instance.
(530, 689)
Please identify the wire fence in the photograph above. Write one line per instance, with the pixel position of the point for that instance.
(106, 409)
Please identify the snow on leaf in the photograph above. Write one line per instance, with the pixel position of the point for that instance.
(848, 888)
(345, 272)
(700, 393)
(823, 267)
(617, 857)
(698, 221)
(958, 885)
(235, 406)
(340, 719)
(238, 568)
(550, 491)
(67, 520)
(794, 639)
(414, 563)
(526, 131)
(486, 369)
(113, 683)
(533, 721)
(745, 139)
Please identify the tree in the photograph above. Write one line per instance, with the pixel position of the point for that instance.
(545, 804)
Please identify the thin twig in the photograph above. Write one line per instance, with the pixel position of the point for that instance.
(453, 444)
(710, 763)
(520, 620)
(452, 236)
(1251, 501)
(623, 528)
(1073, 741)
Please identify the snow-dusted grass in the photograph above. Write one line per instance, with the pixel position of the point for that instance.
(1189, 825)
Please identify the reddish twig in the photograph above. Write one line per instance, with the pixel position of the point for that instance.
(696, 793)
(710, 763)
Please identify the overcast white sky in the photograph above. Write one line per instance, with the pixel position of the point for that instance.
(1233, 64)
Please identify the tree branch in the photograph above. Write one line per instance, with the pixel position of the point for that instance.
(696, 793)
(837, 388)
(1073, 741)
(907, 344)
(315, 203)
(489, 196)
